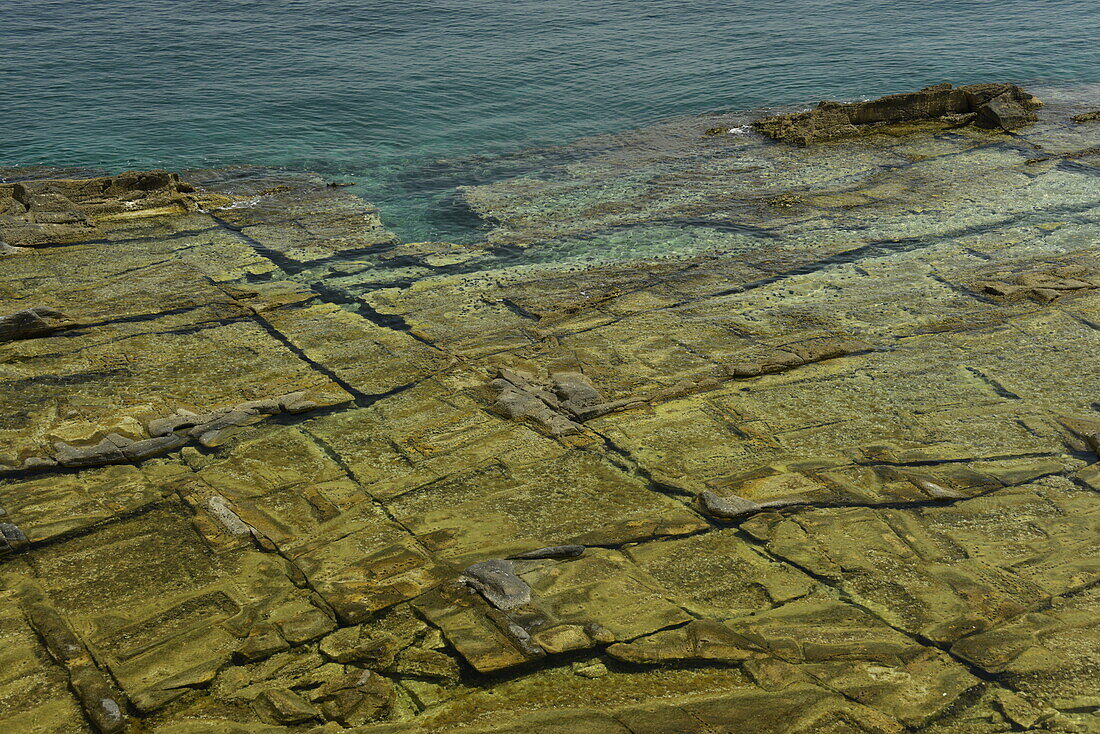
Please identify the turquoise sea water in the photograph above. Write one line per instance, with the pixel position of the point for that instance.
(412, 99)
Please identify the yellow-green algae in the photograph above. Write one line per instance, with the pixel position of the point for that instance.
(836, 471)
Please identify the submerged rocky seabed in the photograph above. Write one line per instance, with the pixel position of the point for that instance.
(709, 434)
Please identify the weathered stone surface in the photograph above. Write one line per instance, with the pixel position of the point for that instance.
(797, 355)
(163, 371)
(372, 359)
(357, 577)
(920, 570)
(1049, 655)
(604, 592)
(161, 611)
(487, 642)
(829, 459)
(262, 642)
(1004, 106)
(557, 408)
(846, 649)
(698, 641)
(1007, 112)
(30, 217)
(717, 575)
(569, 605)
(356, 698)
(728, 508)
(520, 400)
(182, 272)
(1044, 285)
(100, 701)
(799, 707)
(47, 508)
(354, 645)
(295, 216)
(37, 213)
(170, 433)
(34, 689)
(283, 487)
(424, 434)
(553, 551)
(577, 498)
(283, 706)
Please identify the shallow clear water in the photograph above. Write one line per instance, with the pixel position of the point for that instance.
(413, 99)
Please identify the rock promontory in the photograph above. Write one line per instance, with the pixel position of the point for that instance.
(989, 106)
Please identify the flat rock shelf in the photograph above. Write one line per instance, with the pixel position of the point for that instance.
(710, 433)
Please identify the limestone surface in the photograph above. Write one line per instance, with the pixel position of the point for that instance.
(709, 435)
(991, 106)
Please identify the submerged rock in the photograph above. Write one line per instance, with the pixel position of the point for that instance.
(173, 432)
(558, 408)
(699, 640)
(356, 698)
(103, 706)
(553, 551)
(284, 706)
(497, 582)
(1043, 285)
(797, 355)
(1072, 155)
(32, 322)
(990, 106)
(734, 507)
(728, 508)
(937, 491)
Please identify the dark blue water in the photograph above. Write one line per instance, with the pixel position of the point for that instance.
(375, 92)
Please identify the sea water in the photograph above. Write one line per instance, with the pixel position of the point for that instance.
(411, 100)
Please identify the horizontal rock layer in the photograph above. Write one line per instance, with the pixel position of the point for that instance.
(811, 447)
(990, 106)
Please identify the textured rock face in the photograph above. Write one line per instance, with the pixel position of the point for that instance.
(56, 211)
(990, 106)
(811, 447)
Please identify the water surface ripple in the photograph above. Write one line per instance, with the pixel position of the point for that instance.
(378, 93)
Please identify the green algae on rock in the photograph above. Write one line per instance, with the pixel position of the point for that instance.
(825, 466)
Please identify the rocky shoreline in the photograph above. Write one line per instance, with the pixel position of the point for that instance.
(711, 433)
(1003, 107)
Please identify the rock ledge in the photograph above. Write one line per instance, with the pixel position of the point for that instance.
(988, 106)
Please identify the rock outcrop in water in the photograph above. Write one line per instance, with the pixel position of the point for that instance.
(824, 466)
(990, 106)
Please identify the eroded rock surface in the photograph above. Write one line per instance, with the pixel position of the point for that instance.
(811, 445)
(37, 213)
(990, 106)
